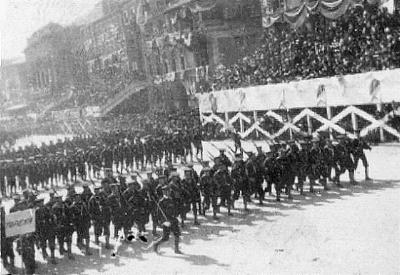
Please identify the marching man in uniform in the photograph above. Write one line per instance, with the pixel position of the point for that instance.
(168, 219)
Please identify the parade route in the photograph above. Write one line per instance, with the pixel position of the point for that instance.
(351, 230)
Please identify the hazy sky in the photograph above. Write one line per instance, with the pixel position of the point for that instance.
(20, 18)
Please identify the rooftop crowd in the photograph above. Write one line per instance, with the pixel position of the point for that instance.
(365, 39)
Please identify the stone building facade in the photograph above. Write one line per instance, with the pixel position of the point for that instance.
(49, 58)
(184, 39)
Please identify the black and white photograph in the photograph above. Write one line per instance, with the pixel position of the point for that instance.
(200, 137)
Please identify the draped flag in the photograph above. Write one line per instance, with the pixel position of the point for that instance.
(213, 102)
(242, 99)
(321, 96)
(296, 12)
(374, 89)
(342, 83)
(282, 104)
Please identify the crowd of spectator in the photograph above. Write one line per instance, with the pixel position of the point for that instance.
(364, 39)
(103, 85)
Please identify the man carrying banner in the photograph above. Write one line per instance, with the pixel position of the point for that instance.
(26, 248)
(45, 225)
(7, 252)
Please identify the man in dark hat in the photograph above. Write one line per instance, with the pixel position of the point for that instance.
(254, 176)
(315, 159)
(45, 225)
(193, 171)
(107, 157)
(224, 159)
(359, 145)
(209, 191)
(237, 141)
(7, 251)
(81, 219)
(168, 219)
(178, 194)
(161, 181)
(64, 226)
(197, 138)
(98, 213)
(152, 197)
(137, 205)
(52, 199)
(192, 193)
(2, 179)
(11, 173)
(117, 212)
(26, 248)
(86, 193)
(126, 196)
(240, 181)
(224, 183)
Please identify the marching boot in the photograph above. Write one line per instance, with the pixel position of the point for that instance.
(229, 209)
(301, 188)
(70, 256)
(52, 257)
(108, 242)
(215, 215)
(222, 203)
(196, 222)
(154, 231)
(177, 251)
(278, 195)
(290, 195)
(366, 174)
(325, 184)
(87, 249)
(245, 204)
(44, 253)
(61, 249)
(338, 184)
(200, 208)
(351, 176)
(156, 245)
(203, 213)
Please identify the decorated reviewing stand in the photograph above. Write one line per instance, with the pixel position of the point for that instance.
(316, 99)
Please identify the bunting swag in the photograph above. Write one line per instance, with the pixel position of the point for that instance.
(249, 110)
(203, 5)
(358, 89)
(331, 9)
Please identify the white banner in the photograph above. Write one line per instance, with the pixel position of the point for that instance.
(19, 223)
(359, 89)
